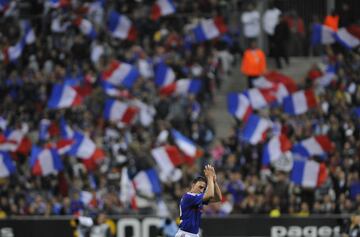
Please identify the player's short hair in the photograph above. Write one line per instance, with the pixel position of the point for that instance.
(199, 178)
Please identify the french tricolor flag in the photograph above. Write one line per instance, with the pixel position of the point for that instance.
(16, 141)
(114, 91)
(65, 130)
(117, 111)
(182, 87)
(348, 37)
(260, 98)
(4, 5)
(7, 166)
(127, 190)
(120, 74)
(287, 81)
(279, 89)
(239, 106)
(12, 53)
(29, 34)
(314, 146)
(64, 96)
(63, 146)
(44, 129)
(58, 3)
(167, 158)
(255, 129)
(147, 183)
(121, 27)
(299, 102)
(276, 146)
(188, 147)
(209, 29)
(86, 27)
(308, 173)
(162, 8)
(45, 161)
(329, 74)
(322, 34)
(164, 75)
(83, 146)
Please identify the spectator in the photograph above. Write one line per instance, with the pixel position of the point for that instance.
(253, 63)
(251, 24)
(270, 20)
(280, 42)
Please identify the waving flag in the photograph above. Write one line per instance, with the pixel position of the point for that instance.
(162, 8)
(83, 146)
(146, 113)
(65, 130)
(63, 146)
(239, 106)
(127, 190)
(187, 146)
(322, 34)
(58, 3)
(45, 161)
(4, 5)
(182, 87)
(308, 173)
(299, 102)
(44, 129)
(147, 183)
(63, 96)
(314, 146)
(275, 148)
(121, 27)
(255, 129)
(29, 34)
(16, 141)
(348, 37)
(279, 89)
(114, 91)
(209, 29)
(329, 74)
(12, 53)
(164, 75)
(167, 158)
(260, 98)
(86, 28)
(120, 74)
(117, 111)
(277, 77)
(7, 166)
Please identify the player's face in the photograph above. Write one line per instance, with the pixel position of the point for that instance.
(198, 187)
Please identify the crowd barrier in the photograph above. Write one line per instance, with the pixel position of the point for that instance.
(134, 226)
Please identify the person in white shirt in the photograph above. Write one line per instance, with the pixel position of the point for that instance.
(269, 22)
(251, 22)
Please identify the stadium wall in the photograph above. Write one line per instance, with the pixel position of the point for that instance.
(315, 226)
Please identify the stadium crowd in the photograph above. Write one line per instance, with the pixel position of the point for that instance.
(62, 53)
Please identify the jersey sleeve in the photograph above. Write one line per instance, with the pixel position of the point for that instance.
(193, 199)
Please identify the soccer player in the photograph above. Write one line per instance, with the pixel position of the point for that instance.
(203, 190)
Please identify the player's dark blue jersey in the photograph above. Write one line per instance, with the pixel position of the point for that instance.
(191, 205)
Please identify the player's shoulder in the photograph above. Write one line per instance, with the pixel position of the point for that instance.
(190, 195)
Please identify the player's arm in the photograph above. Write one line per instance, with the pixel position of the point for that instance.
(217, 191)
(209, 192)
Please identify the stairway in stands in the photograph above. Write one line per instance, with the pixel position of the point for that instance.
(236, 82)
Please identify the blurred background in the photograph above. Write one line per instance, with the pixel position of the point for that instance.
(108, 110)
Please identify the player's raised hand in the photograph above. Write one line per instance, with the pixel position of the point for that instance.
(208, 172)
